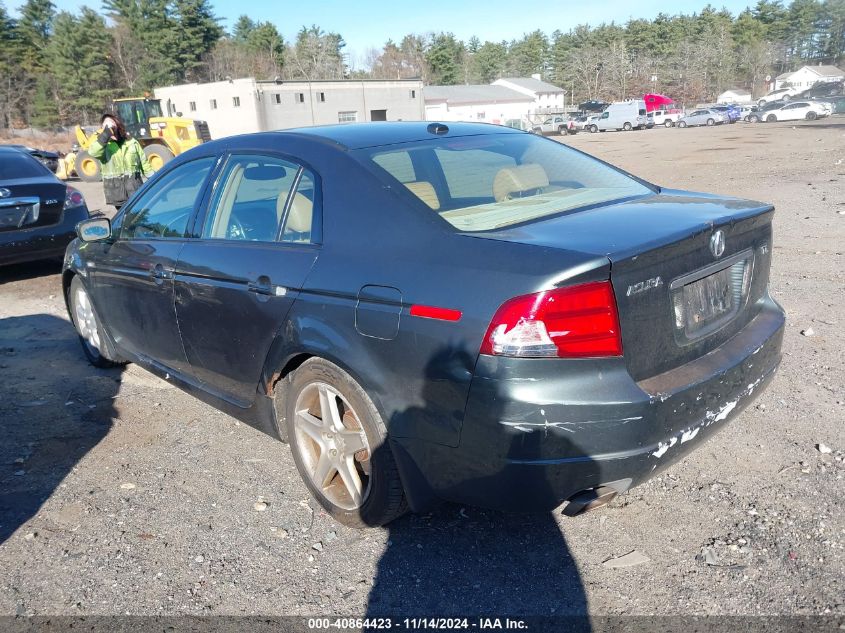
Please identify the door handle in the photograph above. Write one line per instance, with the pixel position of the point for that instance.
(159, 273)
(261, 286)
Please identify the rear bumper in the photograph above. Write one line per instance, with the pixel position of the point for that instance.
(43, 242)
(538, 431)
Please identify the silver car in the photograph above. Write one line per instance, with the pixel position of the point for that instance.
(703, 116)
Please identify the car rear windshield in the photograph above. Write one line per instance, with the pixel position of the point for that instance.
(480, 183)
(14, 165)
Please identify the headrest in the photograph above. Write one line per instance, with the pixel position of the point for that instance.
(425, 192)
(519, 179)
(299, 216)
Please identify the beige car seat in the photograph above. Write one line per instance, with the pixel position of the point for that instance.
(514, 182)
(425, 192)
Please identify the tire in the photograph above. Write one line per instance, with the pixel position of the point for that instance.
(87, 167)
(753, 118)
(371, 469)
(94, 342)
(667, 123)
(594, 128)
(626, 126)
(711, 122)
(682, 124)
(771, 118)
(158, 155)
(812, 116)
(561, 130)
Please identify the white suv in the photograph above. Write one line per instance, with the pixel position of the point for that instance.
(782, 94)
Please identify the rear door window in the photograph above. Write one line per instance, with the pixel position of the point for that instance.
(251, 198)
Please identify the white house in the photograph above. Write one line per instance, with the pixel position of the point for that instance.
(547, 97)
(806, 76)
(482, 103)
(241, 106)
(736, 95)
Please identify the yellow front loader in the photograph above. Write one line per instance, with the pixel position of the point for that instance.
(162, 137)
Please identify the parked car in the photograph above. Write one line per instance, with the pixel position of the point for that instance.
(758, 113)
(837, 103)
(745, 110)
(666, 118)
(437, 311)
(555, 125)
(38, 212)
(782, 94)
(703, 116)
(581, 123)
(732, 113)
(622, 115)
(797, 111)
(47, 158)
(587, 124)
(823, 89)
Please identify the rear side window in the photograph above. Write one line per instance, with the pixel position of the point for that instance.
(257, 196)
(479, 183)
(165, 209)
(15, 165)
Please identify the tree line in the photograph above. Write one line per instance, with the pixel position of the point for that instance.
(60, 68)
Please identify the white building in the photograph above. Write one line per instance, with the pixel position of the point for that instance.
(483, 103)
(547, 97)
(241, 106)
(806, 76)
(736, 95)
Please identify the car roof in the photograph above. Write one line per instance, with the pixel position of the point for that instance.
(360, 135)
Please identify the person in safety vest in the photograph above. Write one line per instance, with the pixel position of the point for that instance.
(122, 158)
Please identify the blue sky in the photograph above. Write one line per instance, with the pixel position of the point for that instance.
(368, 24)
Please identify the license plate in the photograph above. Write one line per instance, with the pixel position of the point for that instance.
(707, 300)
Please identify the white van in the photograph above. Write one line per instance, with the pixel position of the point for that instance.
(622, 115)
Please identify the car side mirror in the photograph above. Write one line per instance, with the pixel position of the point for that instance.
(94, 229)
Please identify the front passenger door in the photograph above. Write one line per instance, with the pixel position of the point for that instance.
(133, 275)
(235, 285)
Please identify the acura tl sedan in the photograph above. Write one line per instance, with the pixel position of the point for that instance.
(429, 312)
(38, 212)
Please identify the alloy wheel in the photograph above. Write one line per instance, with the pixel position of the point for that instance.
(333, 445)
(86, 321)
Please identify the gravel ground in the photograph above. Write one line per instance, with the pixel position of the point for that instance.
(120, 494)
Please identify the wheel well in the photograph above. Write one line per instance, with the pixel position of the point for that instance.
(67, 278)
(292, 365)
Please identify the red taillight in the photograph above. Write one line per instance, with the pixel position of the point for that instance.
(73, 198)
(574, 322)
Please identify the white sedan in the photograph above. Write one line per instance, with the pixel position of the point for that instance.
(797, 111)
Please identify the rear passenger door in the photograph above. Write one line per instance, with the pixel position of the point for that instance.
(235, 284)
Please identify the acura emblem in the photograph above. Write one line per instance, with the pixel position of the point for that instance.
(717, 243)
(4, 193)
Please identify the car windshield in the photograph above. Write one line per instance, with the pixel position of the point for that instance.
(480, 183)
(19, 165)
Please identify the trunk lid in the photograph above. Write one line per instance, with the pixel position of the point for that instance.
(677, 300)
(30, 203)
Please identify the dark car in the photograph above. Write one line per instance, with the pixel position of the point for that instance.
(47, 158)
(823, 89)
(429, 311)
(732, 112)
(758, 113)
(38, 212)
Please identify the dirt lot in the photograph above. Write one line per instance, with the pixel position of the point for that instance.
(119, 494)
